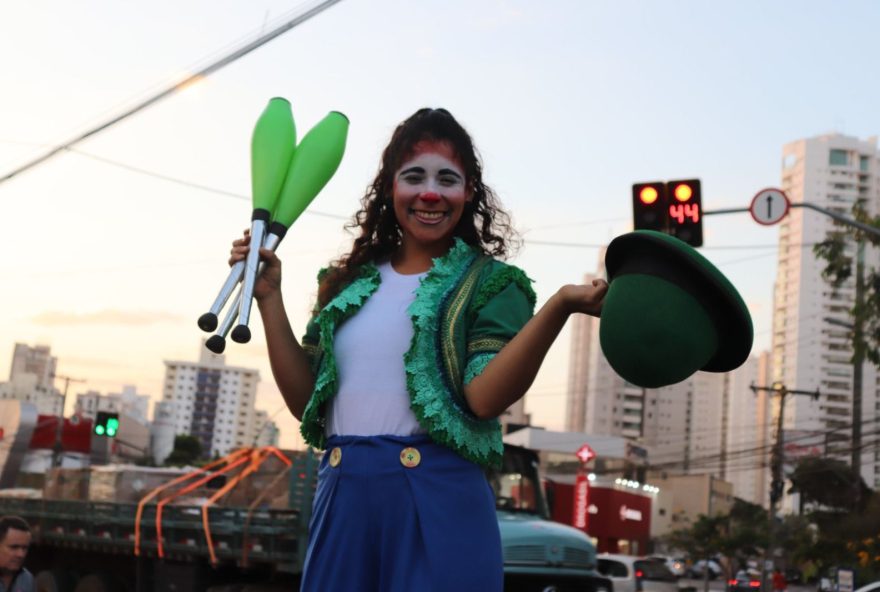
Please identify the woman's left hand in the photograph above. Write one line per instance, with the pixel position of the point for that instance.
(585, 298)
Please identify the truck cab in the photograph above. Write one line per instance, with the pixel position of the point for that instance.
(539, 554)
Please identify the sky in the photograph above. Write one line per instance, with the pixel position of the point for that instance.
(115, 247)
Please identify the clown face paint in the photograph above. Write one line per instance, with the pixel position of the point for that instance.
(430, 192)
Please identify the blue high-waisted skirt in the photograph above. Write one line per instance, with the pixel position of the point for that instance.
(388, 520)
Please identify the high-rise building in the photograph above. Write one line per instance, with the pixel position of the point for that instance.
(584, 339)
(811, 344)
(748, 431)
(266, 431)
(37, 360)
(211, 401)
(31, 379)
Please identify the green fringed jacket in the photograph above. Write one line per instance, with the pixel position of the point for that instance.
(466, 309)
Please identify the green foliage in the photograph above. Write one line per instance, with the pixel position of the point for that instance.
(840, 534)
(747, 531)
(739, 534)
(829, 482)
(702, 539)
(837, 252)
(187, 451)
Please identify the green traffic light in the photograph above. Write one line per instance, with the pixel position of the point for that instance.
(99, 429)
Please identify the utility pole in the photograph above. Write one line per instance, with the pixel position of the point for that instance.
(777, 462)
(858, 358)
(857, 331)
(56, 453)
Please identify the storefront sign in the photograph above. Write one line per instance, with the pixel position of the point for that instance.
(630, 514)
(580, 501)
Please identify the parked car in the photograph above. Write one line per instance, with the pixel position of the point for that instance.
(676, 565)
(744, 582)
(872, 587)
(697, 570)
(636, 574)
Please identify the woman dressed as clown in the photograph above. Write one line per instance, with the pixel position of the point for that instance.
(421, 337)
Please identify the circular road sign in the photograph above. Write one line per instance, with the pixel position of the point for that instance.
(769, 206)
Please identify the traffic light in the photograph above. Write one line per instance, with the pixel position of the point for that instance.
(649, 206)
(106, 424)
(685, 211)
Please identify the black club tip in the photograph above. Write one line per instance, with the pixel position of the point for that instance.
(208, 322)
(216, 344)
(241, 334)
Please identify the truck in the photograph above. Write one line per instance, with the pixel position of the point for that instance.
(87, 546)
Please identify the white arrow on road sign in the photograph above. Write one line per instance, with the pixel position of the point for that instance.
(769, 206)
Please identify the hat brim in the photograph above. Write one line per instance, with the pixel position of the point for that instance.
(655, 253)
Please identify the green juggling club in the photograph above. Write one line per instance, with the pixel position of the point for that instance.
(315, 160)
(272, 147)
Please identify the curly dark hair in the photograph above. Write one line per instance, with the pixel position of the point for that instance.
(484, 224)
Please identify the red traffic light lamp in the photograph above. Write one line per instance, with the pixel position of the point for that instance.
(649, 206)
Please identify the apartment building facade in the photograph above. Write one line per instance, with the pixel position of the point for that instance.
(811, 347)
(209, 400)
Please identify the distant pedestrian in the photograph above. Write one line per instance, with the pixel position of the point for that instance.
(779, 584)
(15, 540)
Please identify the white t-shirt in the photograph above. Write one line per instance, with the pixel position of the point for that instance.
(372, 399)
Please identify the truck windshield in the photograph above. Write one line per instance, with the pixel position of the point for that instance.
(516, 484)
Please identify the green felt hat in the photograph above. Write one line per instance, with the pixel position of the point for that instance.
(669, 312)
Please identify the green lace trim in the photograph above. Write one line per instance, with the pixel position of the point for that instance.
(434, 403)
(344, 305)
(476, 365)
(500, 279)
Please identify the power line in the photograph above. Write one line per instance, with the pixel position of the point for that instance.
(814, 434)
(207, 70)
(749, 453)
(170, 179)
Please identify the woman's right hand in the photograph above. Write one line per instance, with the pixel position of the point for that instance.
(269, 281)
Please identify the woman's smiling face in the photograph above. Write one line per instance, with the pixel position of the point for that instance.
(429, 196)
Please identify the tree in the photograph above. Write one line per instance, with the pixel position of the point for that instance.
(703, 540)
(187, 451)
(829, 482)
(747, 532)
(839, 267)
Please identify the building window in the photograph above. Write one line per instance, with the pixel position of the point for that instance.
(863, 163)
(838, 157)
